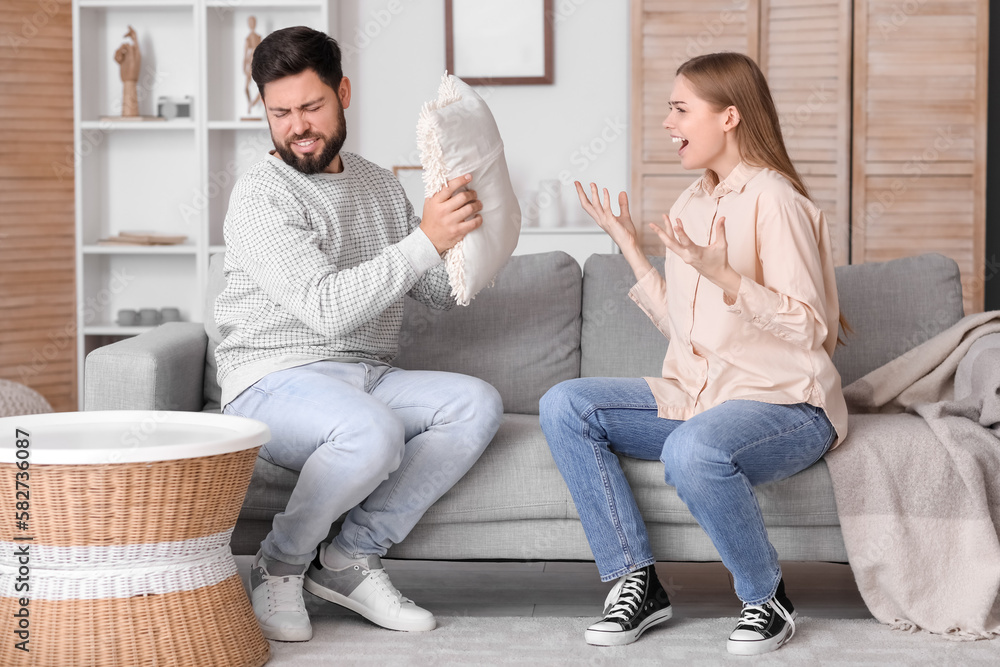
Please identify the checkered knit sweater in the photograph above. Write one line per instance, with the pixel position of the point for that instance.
(316, 268)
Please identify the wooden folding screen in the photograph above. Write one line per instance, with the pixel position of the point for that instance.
(806, 56)
(37, 295)
(920, 133)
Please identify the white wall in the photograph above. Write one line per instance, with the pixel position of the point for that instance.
(574, 129)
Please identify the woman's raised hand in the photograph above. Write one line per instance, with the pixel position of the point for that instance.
(619, 227)
(711, 261)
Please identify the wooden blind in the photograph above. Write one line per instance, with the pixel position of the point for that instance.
(806, 55)
(37, 293)
(920, 133)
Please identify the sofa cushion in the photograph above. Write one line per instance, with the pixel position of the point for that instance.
(522, 336)
(617, 339)
(804, 499)
(892, 307)
(516, 479)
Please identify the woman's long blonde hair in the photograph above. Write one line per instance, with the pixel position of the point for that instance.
(733, 79)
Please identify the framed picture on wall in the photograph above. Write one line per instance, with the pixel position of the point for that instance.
(500, 42)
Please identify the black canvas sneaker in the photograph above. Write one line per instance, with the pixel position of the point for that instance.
(764, 628)
(636, 603)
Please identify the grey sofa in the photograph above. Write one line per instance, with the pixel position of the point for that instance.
(544, 322)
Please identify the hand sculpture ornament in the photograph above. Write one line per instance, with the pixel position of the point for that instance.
(130, 59)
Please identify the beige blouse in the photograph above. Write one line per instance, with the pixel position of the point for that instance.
(775, 343)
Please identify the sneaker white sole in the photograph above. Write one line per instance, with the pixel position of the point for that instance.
(392, 623)
(286, 634)
(760, 646)
(622, 637)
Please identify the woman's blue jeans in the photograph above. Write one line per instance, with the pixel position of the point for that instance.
(713, 459)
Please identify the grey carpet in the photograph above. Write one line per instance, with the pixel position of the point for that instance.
(483, 641)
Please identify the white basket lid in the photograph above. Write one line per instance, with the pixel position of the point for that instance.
(126, 436)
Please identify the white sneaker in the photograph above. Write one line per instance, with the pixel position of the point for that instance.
(278, 605)
(364, 587)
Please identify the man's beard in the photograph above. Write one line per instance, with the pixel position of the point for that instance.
(317, 162)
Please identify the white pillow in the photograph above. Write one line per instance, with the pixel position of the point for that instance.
(457, 135)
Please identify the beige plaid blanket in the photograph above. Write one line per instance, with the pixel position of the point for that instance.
(919, 503)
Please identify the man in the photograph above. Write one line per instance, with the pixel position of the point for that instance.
(321, 248)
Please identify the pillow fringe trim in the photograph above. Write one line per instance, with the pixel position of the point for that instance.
(428, 138)
(435, 178)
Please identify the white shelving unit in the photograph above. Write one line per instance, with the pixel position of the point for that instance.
(172, 177)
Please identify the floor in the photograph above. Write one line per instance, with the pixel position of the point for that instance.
(697, 590)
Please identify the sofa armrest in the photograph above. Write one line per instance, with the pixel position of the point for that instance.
(161, 369)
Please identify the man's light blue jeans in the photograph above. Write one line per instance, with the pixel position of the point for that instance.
(713, 459)
(379, 443)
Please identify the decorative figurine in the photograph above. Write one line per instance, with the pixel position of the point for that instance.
(130, 59)
(253, 95)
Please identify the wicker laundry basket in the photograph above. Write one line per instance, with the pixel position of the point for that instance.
(114, 539)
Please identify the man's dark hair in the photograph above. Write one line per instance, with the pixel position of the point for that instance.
(291, 51)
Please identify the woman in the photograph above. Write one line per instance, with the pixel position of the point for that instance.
(748, 393)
